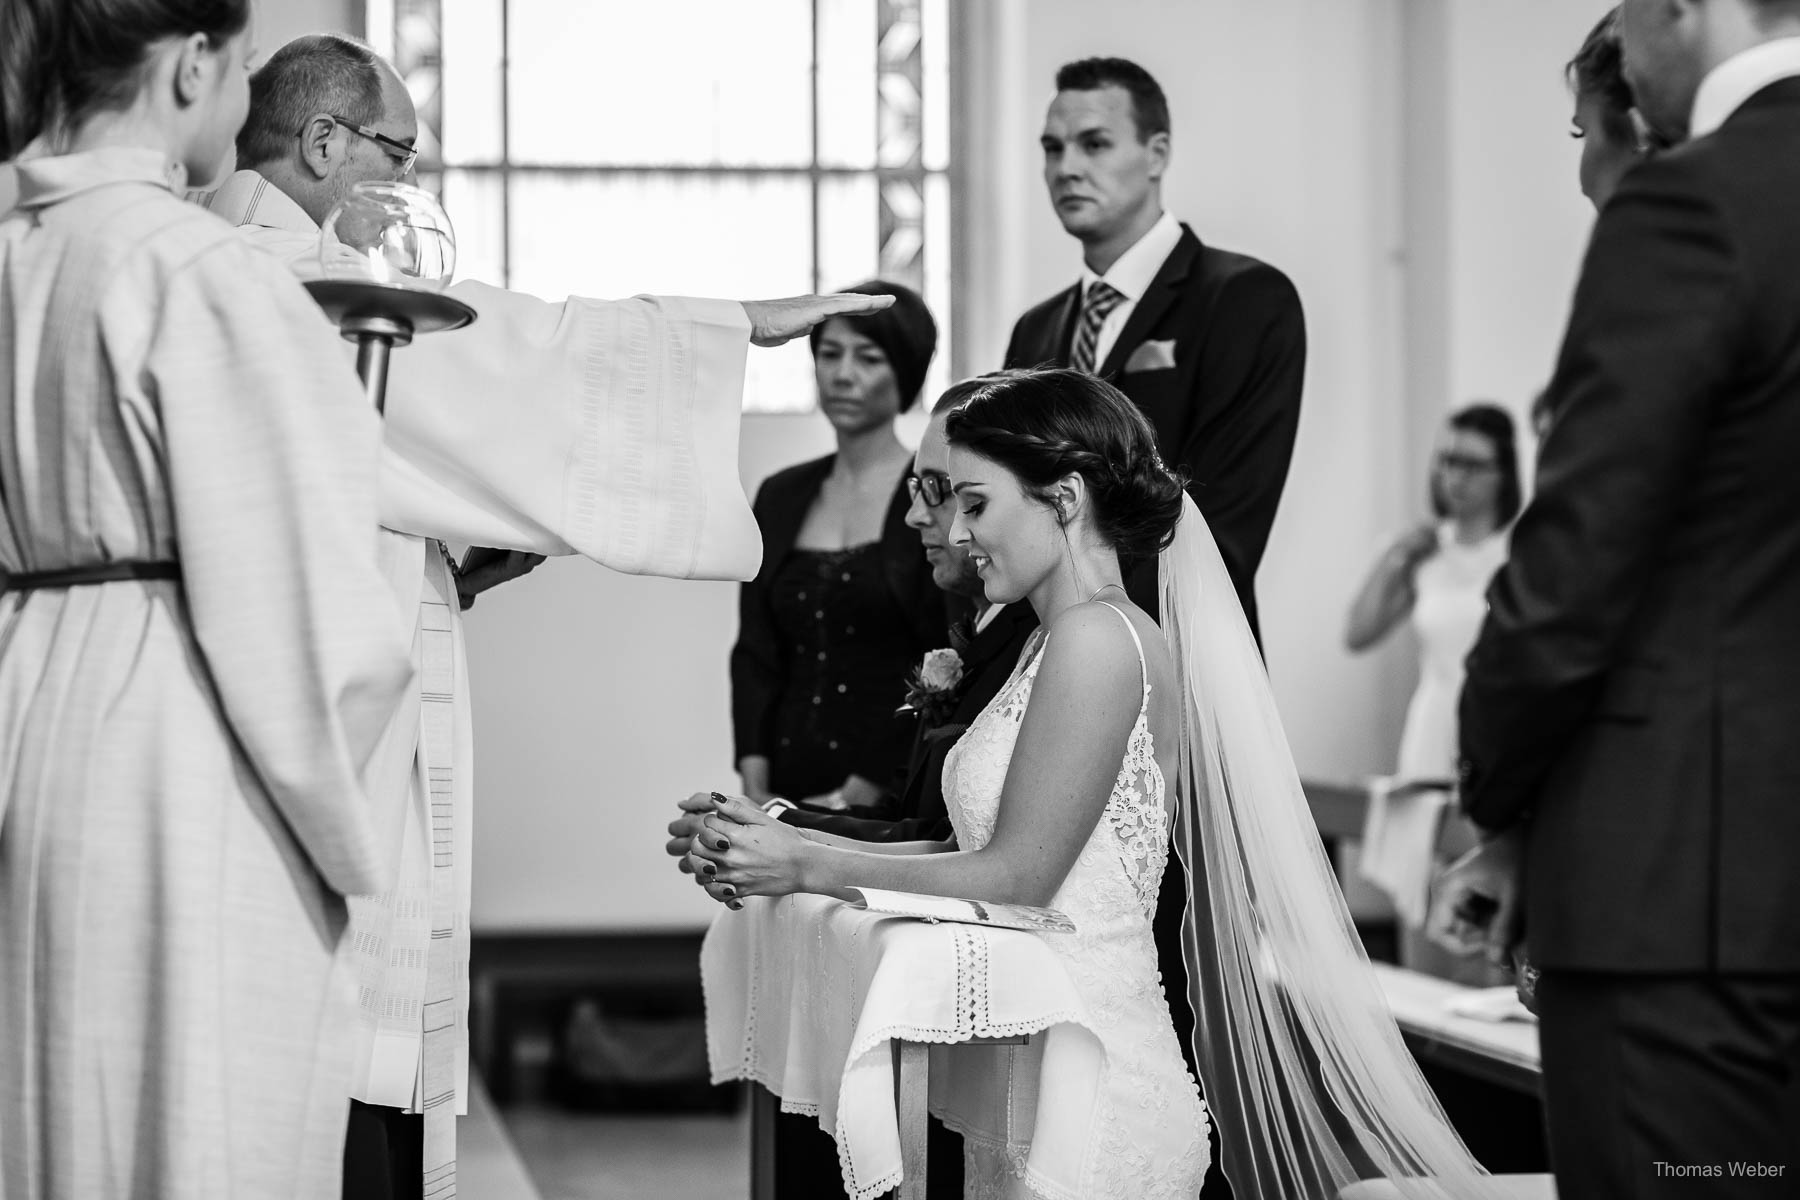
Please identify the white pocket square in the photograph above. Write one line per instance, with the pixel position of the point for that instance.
(1152, 356)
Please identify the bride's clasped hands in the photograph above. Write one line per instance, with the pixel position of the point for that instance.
(734, 849)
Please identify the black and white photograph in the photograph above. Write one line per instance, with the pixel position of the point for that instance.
(899, 599)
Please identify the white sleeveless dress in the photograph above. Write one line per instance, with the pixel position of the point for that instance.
(1150, 1140)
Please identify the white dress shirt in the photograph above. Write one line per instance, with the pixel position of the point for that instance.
(1131, 277)
(1740, 77)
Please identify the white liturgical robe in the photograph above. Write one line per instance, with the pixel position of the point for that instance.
(605, 428)
(187, 769)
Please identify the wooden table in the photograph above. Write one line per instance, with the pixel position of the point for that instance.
(1339, 809)
(1501, 1052)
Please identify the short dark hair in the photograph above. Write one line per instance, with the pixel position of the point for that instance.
(1598, 71)
(317, 73)
(1149, 107)
(904, 330)
(62, 60)
(1496, 425)
(1046, 423)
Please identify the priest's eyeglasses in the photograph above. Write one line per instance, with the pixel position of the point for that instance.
(402, 155)
(933, 487)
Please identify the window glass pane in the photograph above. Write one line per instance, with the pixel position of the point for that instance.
(849, 230)
(847, 83)
(935, 66)
(675, 82)
(899, 111)
(938, 251)
(472, 198)
(378, 16)
(614, 234)
(472, 81)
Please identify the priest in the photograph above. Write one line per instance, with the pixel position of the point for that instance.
(602, 428)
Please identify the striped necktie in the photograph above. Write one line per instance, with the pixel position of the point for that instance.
(1101, 299)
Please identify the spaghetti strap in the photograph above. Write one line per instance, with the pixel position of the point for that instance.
(1143, 666)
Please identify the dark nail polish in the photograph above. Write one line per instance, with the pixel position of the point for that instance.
(728, 890)
(735, 905)
(712, 868)
(724, 844)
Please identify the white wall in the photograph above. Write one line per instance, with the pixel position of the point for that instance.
(1286, 146)
(1519, 223)
(600, 699)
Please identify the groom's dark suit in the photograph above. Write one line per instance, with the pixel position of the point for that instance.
(1634, 698)
(1214, 354)
(991, 656)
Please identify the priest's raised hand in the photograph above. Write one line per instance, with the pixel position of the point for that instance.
(773, 322)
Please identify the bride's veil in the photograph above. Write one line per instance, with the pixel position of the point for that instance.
(1309, 1083)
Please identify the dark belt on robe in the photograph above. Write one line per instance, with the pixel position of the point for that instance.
(111, 572)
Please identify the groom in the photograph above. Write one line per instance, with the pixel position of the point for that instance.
(1630, 712)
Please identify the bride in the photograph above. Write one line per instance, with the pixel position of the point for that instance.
(1112, 740)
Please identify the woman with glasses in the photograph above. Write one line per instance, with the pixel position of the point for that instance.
(844, 606)
(1436, 577)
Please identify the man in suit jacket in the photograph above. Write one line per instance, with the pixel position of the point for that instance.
(1211, 345)
(1630, 714)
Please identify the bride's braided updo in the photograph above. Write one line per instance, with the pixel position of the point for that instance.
(1045, 424)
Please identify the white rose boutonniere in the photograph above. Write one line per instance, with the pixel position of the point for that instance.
(931, 689)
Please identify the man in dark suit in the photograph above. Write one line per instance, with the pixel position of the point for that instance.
(1211, 345)
(990, 643)
(1631, 717)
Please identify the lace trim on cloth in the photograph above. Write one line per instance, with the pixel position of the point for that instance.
(973, 1020)
(970, 1015)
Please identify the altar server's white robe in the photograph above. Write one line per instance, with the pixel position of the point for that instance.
(185, 769)
(605, 428)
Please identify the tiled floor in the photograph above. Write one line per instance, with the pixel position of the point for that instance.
(580, 1156)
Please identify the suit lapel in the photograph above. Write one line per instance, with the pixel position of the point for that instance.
(991, 640)
(1055, 335)
(1163, 291)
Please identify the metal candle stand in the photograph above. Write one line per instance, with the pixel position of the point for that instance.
(381, 316)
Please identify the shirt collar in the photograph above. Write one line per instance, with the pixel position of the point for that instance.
(247, 198)
(48, 179)
(1728, 85)
(1132, 274)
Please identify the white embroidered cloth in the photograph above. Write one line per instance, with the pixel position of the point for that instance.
(805, 994)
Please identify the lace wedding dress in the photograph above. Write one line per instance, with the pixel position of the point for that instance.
(1150, 1135)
